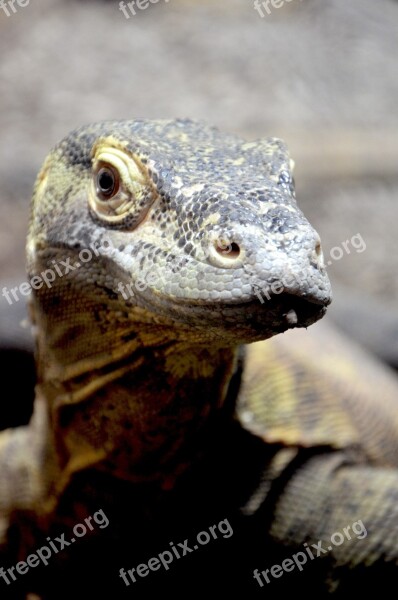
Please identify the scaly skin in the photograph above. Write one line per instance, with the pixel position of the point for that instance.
(139, 364)
(183, 189)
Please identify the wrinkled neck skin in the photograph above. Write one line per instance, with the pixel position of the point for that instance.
(125, 399)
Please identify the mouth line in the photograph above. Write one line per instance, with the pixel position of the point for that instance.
(279, 313)
(289, 307)
(273, 302)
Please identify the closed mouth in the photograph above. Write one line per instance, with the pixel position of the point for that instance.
(252, 318)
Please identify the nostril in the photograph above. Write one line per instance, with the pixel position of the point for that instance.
(227, 250)
(316, 257)
(224, 253)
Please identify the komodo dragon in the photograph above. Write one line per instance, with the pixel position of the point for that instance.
(156, 250)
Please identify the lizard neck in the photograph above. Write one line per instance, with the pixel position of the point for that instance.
(143, 410)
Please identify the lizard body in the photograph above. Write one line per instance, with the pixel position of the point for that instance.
(167, 233)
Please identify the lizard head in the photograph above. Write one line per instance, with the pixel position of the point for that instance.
(176, 224)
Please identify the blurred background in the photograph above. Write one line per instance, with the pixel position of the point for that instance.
(321, 74)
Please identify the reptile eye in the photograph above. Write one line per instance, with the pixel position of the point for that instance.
(108, 182)
(119, 192)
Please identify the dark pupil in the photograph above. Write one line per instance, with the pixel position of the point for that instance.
(106, 182)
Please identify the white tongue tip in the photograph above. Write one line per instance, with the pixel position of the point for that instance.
(291, 317)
